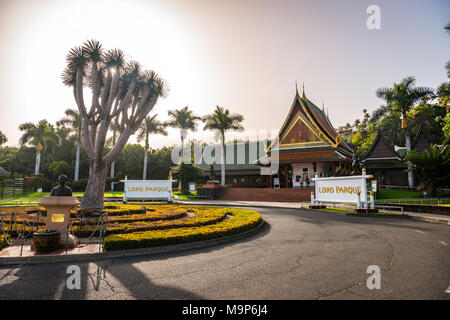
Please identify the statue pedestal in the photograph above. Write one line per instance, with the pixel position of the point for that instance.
(58, 216)
(210, 184)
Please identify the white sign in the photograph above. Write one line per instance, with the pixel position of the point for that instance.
(341, 189)
(374, 185)
(192, 187)
(147, 190)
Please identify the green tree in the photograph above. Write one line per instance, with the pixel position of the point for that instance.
(57, 168)
(432, 168)
(183, 119)
(3, 138)
(40, 136)
(446, 129)
(221, 120)
(149, 126)
(186, 173)
(129, 162)
(401, 98)
(73, 119)
(443, 96)
(429, 118)
(121, 92)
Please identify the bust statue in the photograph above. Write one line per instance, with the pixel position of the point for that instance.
(61, 190)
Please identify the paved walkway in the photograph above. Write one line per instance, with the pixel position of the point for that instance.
(436, 218)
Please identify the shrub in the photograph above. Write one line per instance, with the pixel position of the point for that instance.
(3, 242)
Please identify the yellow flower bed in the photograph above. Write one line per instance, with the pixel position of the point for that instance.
(202, 216)
(241, 220)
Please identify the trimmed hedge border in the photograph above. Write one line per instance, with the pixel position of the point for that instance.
(242, 220)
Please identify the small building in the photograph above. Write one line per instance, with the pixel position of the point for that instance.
(240, 170)
(387, 163)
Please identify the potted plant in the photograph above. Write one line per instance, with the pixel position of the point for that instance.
(46, 240)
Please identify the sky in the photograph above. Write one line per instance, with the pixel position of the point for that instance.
(245, 56)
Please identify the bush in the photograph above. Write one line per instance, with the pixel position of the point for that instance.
(79, 185)
(241, 221)
(48, 185)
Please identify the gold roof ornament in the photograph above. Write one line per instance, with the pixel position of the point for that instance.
(304, 96)
(404, 123)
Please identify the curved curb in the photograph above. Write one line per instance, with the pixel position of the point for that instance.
(86, 257)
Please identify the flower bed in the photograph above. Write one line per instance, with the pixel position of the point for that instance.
(242, 220)
(203, 216)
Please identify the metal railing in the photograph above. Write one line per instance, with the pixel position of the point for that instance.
(438, 201)
(8, 230)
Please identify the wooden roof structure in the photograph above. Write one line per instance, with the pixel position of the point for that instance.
(421, 141)
(307, 135)
(381, 155)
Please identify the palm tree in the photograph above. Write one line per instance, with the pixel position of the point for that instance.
(149, 126)
(401, 98)
(432, 167)
(184, 119)
(73, 119)
(443, 95)
(39, 136)
(222, 121)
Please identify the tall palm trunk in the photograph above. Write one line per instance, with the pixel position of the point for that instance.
(38, 162)
(113, 165)
(222, 165)
(144, 173)
(182, 143)
(408, 148)
(77, 162)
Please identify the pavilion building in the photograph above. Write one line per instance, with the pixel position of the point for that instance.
(306, 143)
(388, 164)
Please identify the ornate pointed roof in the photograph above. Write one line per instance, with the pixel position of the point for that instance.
(381, 149)
(305, 119)
(421, 141)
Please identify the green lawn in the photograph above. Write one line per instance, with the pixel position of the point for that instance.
(398, 194)
(177, 195)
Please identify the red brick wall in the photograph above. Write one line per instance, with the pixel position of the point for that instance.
(267, 194)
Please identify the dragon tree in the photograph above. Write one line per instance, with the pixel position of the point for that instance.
(122, 92)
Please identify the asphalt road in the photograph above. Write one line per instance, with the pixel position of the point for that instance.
(299, 255)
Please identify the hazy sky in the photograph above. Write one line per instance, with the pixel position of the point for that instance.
(241, 55)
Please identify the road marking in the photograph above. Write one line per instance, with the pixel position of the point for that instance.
(420, 231)
(448, 290)
(443, 243)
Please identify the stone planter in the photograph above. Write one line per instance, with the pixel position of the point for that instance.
(46, 241)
